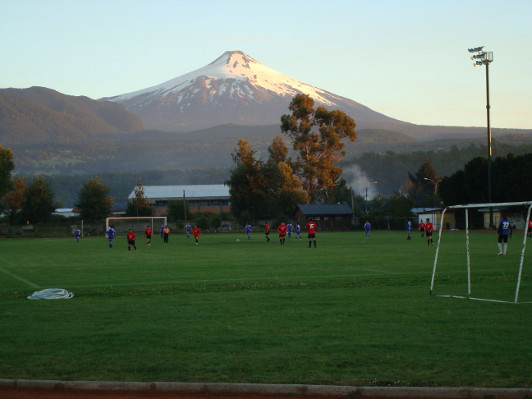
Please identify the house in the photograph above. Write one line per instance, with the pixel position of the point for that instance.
(328, 217)
(200, 198)
(516, 216)
(66, 212)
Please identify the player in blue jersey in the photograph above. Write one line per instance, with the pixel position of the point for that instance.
(409, 230)
(77, 234)
(289, 229)
(188, 229)
(110, 236)
(505, 230)
(298, 232)
(248, 230)
(367, 228)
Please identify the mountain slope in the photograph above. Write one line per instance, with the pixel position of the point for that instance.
(235, 89)
(38, 114)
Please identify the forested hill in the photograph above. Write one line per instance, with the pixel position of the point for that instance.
(41, 115)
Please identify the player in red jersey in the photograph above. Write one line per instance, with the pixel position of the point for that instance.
(428, 229)
(131, 239)
(148, 232)
(422, 228)
(311, 229)
(282, 232)
(267, 232)
(196, 232)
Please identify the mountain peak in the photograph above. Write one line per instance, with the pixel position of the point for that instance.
(234, 88)
(235, 59)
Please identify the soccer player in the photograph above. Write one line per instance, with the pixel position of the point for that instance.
(311, 228)
(248, 230)
(529, 235)
(282, 232)
(77, 233)
(196, 232)
(422, 228)
(148, 232)
(289, 229)
(428, 230)
(267, 232)
(409, 230)
(166, 233)
(110, 236)
(188, 229)
(162, 230)
(131, 236)
(298, 232)
(504, 230)
(367, 228)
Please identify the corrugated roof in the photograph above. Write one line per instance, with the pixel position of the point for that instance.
(325, 209)
(190, 191)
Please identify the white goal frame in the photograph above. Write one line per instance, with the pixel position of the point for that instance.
(488, 205)
(151, 218)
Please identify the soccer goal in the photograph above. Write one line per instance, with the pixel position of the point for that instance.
(502, 205)
(138, 223)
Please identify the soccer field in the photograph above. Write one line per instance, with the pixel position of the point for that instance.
(353, 311)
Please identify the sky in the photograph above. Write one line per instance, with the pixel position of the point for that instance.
(407, 59)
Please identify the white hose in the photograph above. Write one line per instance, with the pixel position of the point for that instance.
(52, 293)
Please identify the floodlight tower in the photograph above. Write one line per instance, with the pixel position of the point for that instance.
(482, 57)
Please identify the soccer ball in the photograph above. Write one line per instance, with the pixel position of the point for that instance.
(238, 240)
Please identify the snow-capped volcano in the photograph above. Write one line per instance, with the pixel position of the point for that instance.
(234, 88)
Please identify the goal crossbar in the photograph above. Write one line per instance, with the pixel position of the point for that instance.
(466, 208)
(151, 218)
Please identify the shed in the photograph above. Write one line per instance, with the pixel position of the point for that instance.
(328, 217)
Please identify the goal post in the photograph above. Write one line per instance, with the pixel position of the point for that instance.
(466, 208)
(122, 224)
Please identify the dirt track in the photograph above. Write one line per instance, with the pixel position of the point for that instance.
(27, 389)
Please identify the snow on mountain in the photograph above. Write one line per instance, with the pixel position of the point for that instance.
(234, 88)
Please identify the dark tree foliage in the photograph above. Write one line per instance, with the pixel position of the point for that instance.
(248, 185)
(94, 200)
(510, 181)
(6, 166)
(263, 190)
(423, 190)
(178, 210)
(14, 199)
(38, 204)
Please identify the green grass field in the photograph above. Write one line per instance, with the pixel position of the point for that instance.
(352, 311)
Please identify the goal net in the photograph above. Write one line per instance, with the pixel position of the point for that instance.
(486, 264)
(139, 223)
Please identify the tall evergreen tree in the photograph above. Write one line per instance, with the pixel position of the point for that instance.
(139, 205)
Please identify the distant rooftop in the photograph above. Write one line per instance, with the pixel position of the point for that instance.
(188, 191)
(325, 209)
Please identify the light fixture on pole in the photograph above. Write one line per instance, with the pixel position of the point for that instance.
(435, 182)
(482, 57)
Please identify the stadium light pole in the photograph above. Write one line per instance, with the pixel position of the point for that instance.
(482, 57)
